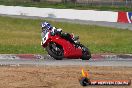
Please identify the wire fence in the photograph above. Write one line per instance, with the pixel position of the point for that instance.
(116, 3)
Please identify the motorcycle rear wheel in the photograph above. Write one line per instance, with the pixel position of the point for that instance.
(55, 51)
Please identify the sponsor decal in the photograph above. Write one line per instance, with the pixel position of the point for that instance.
(85, 80)
(129, 14)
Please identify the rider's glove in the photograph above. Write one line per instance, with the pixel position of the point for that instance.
(53, 31)
(59, 30)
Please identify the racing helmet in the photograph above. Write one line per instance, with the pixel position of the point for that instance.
(46, 26)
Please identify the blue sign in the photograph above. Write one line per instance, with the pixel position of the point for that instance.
(130, 17)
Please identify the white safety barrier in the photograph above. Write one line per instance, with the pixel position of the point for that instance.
(92, 15)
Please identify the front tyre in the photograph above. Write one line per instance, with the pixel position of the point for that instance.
(55, 51)
(86, 53)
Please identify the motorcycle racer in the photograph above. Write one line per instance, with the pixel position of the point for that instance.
(53, 30)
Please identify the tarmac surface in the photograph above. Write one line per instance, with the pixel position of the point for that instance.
(66, 62)
(110, 60)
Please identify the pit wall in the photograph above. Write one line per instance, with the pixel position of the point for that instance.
(107, 16)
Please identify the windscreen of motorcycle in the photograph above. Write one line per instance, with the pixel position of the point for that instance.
(44, 35)
(44, 32)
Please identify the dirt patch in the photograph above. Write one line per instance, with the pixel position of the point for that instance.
(57, 76)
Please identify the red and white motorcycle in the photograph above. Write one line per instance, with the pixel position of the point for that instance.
(59, 48)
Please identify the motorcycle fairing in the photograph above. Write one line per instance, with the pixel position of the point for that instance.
(70, 51)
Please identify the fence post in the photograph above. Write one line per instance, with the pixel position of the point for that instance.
(36, 0)
(64, 1)
(112, 2)
(92, 3)
(126, 2)
(73, 1)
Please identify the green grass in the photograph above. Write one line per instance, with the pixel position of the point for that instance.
(23, 36)
(29, 3)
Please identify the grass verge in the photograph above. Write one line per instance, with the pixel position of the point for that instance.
(23, 36)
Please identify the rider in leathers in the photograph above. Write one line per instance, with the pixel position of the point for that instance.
(54, 30)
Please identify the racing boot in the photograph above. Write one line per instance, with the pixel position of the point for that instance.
(76, 41)
(76, 38)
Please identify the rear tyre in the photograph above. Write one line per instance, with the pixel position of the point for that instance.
(86, 53)
(55, 51)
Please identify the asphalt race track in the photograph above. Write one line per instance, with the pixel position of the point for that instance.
(66, 62)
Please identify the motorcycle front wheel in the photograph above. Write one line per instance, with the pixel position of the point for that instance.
(55, 51)
(86, 53)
